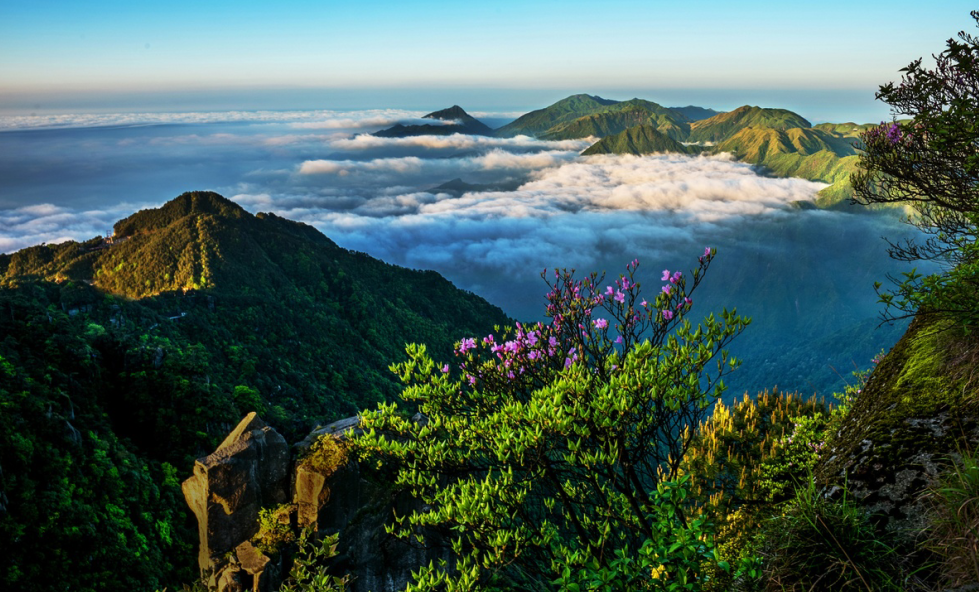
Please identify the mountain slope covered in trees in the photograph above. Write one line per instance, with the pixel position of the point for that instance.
(120, 361)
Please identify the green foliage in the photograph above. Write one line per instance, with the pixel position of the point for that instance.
(931, 164)
(327, 455)
(617, 118)
(549, 448)
(107, 399)
(818, 544)
(952, 532)
(676, 557)
(309, 571)
(274, 530)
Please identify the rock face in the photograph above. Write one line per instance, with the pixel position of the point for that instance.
(252, 470)
(918, 409)
(246, 473)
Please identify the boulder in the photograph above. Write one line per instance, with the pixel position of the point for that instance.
(244, 474)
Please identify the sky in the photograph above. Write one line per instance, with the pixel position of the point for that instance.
(182, 55)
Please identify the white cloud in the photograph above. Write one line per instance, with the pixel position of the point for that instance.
(459, 142)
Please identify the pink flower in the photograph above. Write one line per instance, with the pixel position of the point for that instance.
(644, 303)
(445, 369)
(618, 339)
(666, 275)
(467, 344)
(619, 297)
(667, 314)
(667, 289)
(600, 323)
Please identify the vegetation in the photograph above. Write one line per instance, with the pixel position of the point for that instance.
(619, 117)
(725, 125)
(565, 110)
(931, 163)
(110, 388)
(554, 451)
(641, 139)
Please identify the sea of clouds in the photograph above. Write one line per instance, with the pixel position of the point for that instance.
(532, 203)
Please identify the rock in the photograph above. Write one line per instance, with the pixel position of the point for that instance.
(229, 487)
(918, 407)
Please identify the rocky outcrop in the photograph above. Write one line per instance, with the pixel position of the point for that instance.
(253, 468)
(919, 408)
(244, 474)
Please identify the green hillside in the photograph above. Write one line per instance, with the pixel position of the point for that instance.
(619, 117)
(847, 130)
(811, 154)
(723, 126)
(563, 111)
(121, 361)
(641, 139)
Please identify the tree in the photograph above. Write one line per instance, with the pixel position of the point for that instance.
(930, 163)
(550, 456)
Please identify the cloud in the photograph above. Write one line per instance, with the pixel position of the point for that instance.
(320, 119)
(495, 159)
(49, 223)
(458, 142)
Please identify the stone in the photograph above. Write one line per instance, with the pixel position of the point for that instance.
(245, 473)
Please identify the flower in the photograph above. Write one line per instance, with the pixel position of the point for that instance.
(667, 314)
(445, 369)
(600, 323)
(620, 297)
(618, 339)
(666, 275)
(667, 289)
(467, 344)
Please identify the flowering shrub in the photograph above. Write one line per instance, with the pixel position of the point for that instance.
(546, 447)
(930, 164)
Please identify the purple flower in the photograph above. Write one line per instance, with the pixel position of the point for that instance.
(667, 314)
(666, 275)
(600, 323)
(609, 291)
(467, 344)
(894, 133)
(644, 303)
(667, 289)
(472, 380)
(620, 297)
(676, 277)
(618, 339)
(445, 369)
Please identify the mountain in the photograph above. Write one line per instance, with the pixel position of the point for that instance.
(616, 118)
(641, 139)
(805, 153)
(694, 113)
(457, 187)
(463, 123)
(847, 130)
(723, 126)
(123, 358)
(563, 111)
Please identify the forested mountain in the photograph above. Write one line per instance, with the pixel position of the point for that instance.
(725, 125)
(565, 110)
(617, 118)
(122, 359)
(641, 139)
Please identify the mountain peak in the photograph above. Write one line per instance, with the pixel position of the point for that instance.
(186, 204)
(453, 112)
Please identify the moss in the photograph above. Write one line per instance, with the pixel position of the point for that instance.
(327, 455)
(920, 401)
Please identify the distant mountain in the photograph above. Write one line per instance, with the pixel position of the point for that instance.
(847, 130)
(805, 153)
(464, 124)
(616, 118)
(694, 113)
(563, 111)
(457, 187)
(641, 139)
(725, 125)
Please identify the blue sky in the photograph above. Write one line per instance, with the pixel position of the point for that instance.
(53, 51)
